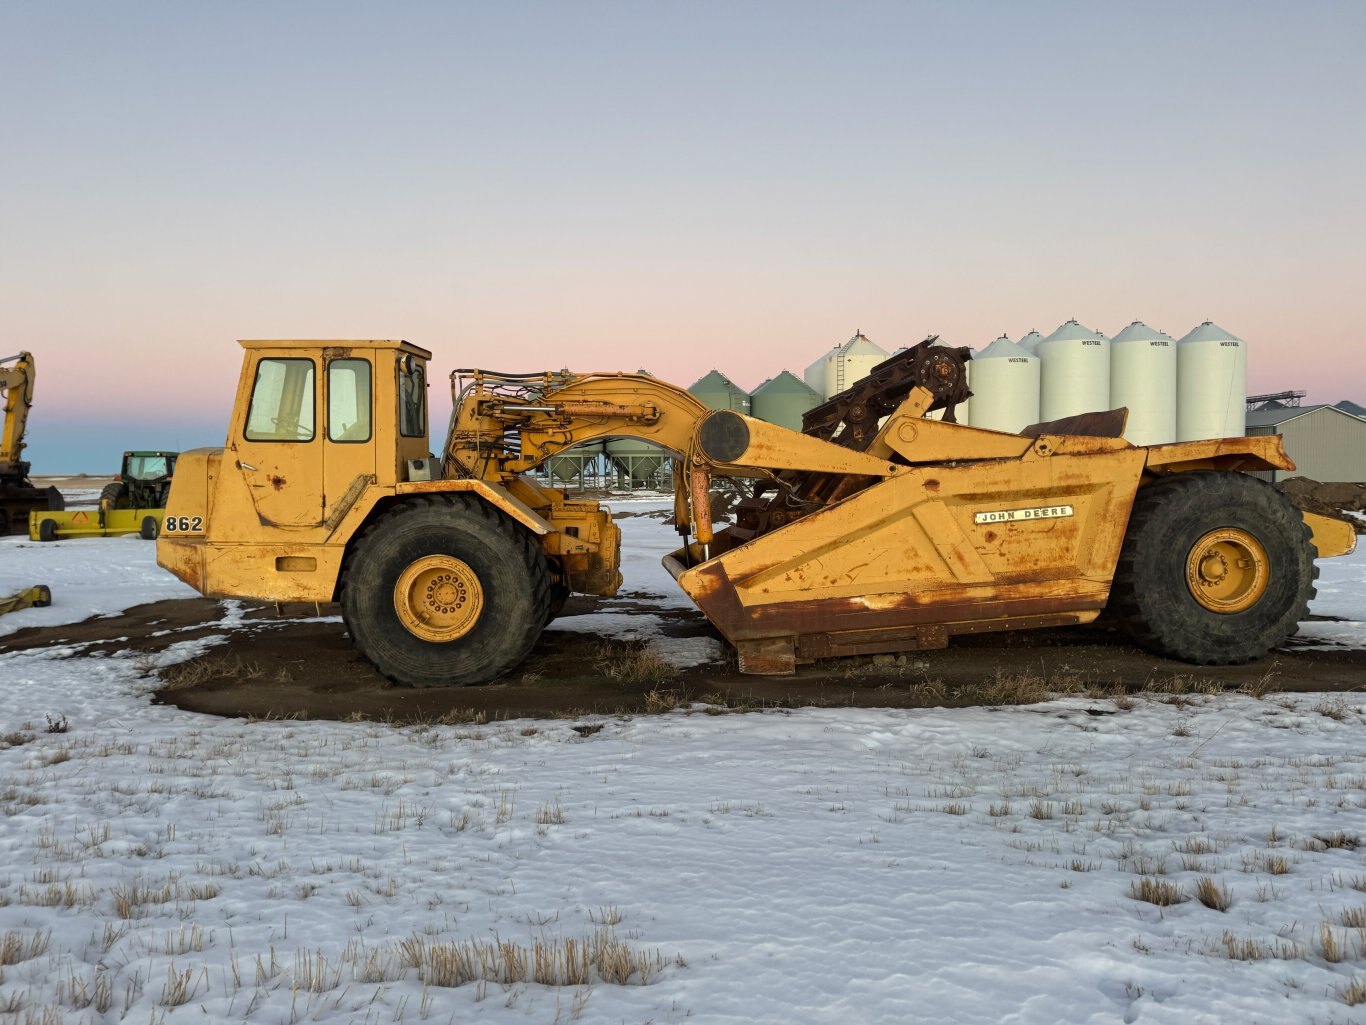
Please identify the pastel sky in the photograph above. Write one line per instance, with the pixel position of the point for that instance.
(675, 186)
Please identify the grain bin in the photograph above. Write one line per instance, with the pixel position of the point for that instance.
(1075, 376)
(844, 365)
(851, 363)
(1211, 384)
(638, 460)
(1005, 387)
(580, 463)
(1030, 342)
(814, 375)
(783, 400)
(717, 391)
(1143, 378)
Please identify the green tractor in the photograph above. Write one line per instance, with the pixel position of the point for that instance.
(133, 504)
(144, 482)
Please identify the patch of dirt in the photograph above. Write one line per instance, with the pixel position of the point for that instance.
(299, 665)
(1339, 499)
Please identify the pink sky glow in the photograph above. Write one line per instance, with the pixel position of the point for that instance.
(675, 187)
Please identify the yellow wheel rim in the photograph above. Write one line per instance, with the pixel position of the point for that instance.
(438, 598)
(1227, 570)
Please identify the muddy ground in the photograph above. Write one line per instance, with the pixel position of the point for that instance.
(302, 666)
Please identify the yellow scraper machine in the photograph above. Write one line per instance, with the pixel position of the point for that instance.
(874, 529)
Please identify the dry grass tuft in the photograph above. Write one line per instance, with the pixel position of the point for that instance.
(1329, 944)
(199, 671)
(129, 900)
(1354, 918)
(1335, 708)
(1261, 686)
(1355, 993)
(1041, 809)
(1025, 688)
(559, 962)
(16, 947)
(1339, 841)
(632, 662)
(1212, 895)
(1247, 949)
(1157, 891)
(659, 701)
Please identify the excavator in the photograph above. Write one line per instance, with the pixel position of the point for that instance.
(876, 528)
(18, 496)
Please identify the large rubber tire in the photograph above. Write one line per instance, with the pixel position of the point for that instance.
(56, 501)
(47, 530)
(1151, 598)
(511, 572)
(559, 594)
(150, 528)
(114, 495)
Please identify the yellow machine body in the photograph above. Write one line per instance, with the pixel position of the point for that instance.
(270, 516)
(923, 530)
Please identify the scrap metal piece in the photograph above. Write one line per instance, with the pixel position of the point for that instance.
(37, 597)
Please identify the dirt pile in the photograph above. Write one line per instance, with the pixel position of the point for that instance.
(1337, 498)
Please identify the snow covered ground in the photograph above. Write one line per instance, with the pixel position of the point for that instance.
(939, 865)
(89, 577)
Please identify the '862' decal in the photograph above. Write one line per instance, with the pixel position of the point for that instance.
(183, 525)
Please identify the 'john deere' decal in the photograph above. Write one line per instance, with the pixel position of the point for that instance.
(1043, 512)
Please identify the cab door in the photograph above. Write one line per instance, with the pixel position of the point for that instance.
(349, 438)
(280, 452)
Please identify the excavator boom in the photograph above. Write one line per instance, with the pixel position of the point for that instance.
(17, 382)
(18, 496)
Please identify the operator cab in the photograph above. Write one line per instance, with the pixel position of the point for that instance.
(149, 467)
(318, 421)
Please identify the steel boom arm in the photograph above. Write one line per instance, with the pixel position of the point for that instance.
(504, 425)
(17, 381)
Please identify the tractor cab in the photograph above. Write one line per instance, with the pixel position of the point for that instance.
(146, 479)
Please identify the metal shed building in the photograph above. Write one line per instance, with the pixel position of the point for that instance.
(1327, 443)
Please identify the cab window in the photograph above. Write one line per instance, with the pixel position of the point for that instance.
(348, 400)
(147, 468)
(412, 399)
(281, 401)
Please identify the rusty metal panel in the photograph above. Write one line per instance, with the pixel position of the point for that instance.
(495, 494)
(1251, 453)
(184, 558)
(916, 552)
(269, 572)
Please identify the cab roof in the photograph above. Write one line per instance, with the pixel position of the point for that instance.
(334, 343)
